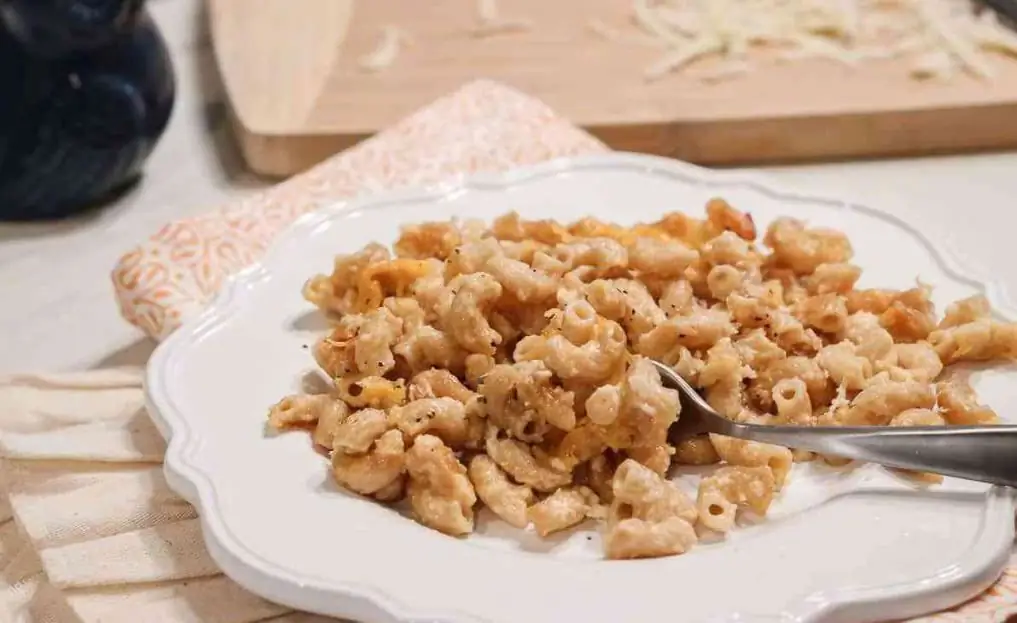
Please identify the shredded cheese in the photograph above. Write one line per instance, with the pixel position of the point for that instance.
(490, 22)
(384, 55)
(610, 33)
(938, 35)
(938, 22)
(937, 64)
(940, 38)
(684, 22)
(647, 18)
(680, 57)
(991, 35)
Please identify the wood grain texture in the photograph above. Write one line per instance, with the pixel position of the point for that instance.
(291, 75)
(277, 57)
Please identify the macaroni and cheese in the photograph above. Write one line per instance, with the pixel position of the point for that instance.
(509, 366)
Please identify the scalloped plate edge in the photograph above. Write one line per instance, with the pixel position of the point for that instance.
(941, 589)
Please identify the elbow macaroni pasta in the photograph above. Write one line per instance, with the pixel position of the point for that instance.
(509, 366)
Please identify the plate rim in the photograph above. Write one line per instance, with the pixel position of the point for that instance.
(960, 580)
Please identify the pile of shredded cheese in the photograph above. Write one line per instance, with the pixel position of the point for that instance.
(385, 53)
(938, 37)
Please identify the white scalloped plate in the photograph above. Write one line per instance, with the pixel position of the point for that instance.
(840, 545)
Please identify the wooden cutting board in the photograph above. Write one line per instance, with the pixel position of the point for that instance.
(291, 74)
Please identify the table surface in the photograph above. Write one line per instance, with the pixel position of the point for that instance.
(57, 310)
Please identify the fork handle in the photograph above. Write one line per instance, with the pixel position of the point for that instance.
(982, 453)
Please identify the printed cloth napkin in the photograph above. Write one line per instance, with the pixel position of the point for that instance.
(89, 530)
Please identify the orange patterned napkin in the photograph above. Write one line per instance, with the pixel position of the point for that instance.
(482, 127)
(162, 570)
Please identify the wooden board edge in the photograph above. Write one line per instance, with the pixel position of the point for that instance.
(737, 142)
(836, 137)
(281, 156)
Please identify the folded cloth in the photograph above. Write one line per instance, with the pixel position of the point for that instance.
(90, 530)
(102, 538)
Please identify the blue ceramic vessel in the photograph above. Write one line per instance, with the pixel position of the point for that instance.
(86, 89)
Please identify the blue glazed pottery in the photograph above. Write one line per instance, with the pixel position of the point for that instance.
(86, 89)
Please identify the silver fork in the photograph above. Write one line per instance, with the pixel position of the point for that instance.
(982, 453)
